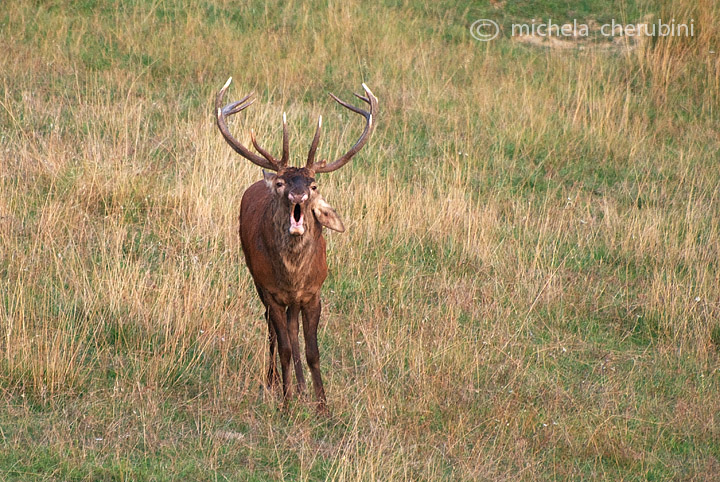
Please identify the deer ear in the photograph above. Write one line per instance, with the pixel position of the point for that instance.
(269, 177)
(326, 215)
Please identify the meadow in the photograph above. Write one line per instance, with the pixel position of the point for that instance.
(528, 287)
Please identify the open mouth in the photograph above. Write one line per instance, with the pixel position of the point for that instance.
(296, 221)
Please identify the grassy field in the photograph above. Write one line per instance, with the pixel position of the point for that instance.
(528, 288)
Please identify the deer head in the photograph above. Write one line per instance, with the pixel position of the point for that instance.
(297, 202)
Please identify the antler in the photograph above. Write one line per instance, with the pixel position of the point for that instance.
(369, 127)
(267, 161)
(314, 145)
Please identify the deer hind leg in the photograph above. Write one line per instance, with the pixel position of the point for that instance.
(293, 317)
(273, 376)
(311, 319)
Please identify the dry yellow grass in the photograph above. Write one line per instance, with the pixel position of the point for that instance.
(528, 287)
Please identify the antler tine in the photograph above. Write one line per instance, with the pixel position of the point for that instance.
(369, 127)
(361, 97)
(230, 109)
(313, 147)
(357, 110)
(286, 143)
(238, 106)
(262, 151)
(234, 107)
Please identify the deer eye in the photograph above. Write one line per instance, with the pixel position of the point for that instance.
(279, 184)
(314, 188)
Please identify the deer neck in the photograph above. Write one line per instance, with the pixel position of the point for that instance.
(294, 251)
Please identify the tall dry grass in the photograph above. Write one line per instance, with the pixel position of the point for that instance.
(671, 56)
(528, 286)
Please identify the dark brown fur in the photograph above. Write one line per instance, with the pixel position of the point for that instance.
(281, 221)
(288, 270)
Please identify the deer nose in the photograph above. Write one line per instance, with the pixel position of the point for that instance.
(297, 198)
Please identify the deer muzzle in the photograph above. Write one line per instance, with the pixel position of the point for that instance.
(297, 220)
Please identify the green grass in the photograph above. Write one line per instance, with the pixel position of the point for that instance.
(527, 288)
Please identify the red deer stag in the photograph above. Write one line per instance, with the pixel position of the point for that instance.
(281, 221)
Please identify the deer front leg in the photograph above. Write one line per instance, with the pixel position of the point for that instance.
(293, 314)
(279, 322)
(311, 319)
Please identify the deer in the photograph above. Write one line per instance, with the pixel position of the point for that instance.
(281, 220)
